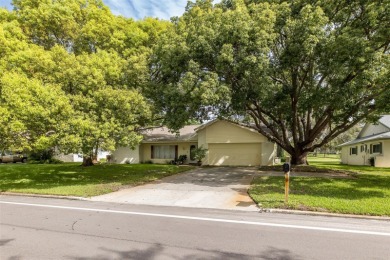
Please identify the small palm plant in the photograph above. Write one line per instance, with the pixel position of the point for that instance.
(199, 154)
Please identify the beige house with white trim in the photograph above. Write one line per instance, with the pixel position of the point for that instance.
(371, 147)
(227, 144)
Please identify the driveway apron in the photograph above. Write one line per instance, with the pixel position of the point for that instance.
(214, 187)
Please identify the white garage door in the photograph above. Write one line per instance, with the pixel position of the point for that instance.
(235, 154)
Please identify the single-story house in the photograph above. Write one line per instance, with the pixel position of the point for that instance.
(227, 143)
(371, 147)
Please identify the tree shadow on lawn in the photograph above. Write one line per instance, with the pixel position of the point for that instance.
(352, 189)
(15, 177)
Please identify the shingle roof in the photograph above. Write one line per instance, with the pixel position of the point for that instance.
(162, 134)
(385, 120)
(250, 127)
(186, 134)
(368, 138)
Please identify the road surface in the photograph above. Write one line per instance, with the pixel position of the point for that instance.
(42, 228)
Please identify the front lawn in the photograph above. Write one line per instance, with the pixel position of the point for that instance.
(72, 179)
(367, 192)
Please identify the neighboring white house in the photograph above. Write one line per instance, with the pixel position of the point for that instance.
(73, 157)
(227, 143)
(371, 147)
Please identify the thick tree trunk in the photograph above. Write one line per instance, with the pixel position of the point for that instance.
(87, 161)
(95, 155)
(299, 159)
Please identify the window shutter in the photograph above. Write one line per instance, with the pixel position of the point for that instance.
(152, 152)
(370, 148)
(357, 150)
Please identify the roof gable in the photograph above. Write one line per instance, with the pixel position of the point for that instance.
(373, 132)
(190, 132)
(369, 129)
(208, 124)
(225, 131)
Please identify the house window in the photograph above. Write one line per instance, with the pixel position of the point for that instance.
(377, 148)
(353, 150)
(362, 148)
(163, 151)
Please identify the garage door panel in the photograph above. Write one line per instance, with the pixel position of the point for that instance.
(235, 154)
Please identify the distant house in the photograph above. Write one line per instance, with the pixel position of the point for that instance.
(73, 157)
(371, 147)
(227, 143)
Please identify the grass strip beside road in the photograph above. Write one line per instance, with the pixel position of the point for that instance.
(366, 193)
(70, 179)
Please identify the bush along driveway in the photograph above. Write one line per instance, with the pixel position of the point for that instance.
(71, 179)
(358, 190)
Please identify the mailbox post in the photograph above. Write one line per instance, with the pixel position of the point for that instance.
(286, 169)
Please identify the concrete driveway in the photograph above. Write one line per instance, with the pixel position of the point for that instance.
(216, 187)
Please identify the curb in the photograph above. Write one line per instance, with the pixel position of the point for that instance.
(324, 214)
(43, 196)
(261, 210)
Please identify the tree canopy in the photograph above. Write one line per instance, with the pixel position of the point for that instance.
(308, 70)
(71, 75)
(75, 76)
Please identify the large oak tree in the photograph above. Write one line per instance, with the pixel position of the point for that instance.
(308, 70)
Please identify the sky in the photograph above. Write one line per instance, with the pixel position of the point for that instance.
(138, 9)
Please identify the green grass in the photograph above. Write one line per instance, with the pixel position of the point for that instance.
(366, 193)
(71, 179)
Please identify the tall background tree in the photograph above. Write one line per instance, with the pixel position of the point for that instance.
(308, 70)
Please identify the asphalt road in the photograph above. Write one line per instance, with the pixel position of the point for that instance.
(38, 228)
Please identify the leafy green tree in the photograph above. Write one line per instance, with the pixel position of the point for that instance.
(94, 62)
(32, 110)
(296, 67)
(33, 113)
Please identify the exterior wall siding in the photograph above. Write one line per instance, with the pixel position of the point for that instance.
(225, 132)
(126, 155)
(354, 159)
(235, 154)
(383, 160)
(268, 153)
(146, 151)
(230, 144)
(202, 142)
(344, 154)
(68, 157)
(363, 158)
